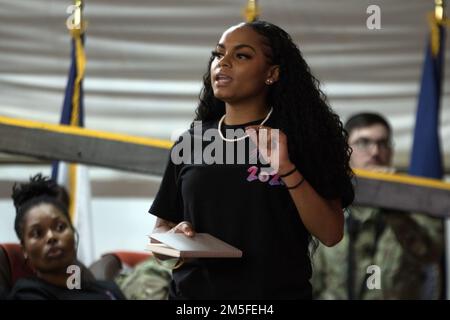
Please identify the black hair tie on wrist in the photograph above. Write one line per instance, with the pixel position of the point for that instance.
(289, 173)
(297, 185)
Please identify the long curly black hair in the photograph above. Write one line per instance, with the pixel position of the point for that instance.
(317, 142)
(38, 190)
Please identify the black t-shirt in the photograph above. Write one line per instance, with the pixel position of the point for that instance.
(250, 211)
(37, 289)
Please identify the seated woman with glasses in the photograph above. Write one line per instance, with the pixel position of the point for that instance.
(49, 245)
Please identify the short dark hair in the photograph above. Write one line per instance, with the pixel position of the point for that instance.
(366, 119)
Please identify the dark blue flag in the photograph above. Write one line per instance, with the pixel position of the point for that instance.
(426, 158)
(74, 87)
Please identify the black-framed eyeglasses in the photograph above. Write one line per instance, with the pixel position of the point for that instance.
(366, 144)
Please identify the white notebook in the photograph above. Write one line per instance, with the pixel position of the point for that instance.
(202, 245)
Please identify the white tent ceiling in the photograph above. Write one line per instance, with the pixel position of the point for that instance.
(146, 59)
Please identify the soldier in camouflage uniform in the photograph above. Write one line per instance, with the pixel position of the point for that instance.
(149, 280)
(385, 254)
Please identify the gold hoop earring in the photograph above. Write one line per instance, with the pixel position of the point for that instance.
(77, 240)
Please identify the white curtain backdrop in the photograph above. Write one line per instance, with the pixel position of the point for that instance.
(146, 59)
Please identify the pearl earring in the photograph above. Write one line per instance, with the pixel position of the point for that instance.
(269, 81)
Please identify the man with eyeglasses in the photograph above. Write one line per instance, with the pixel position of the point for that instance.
(384, 254)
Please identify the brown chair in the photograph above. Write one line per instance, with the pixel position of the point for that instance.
(12, 265)
(110, 264)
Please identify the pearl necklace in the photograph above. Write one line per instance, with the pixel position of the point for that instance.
(219, 127)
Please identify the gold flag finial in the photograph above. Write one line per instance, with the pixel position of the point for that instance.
(437, 19)
(251, 11)
(439, 9)
(78, 12)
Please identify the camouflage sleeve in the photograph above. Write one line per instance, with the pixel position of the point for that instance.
(148, 281)
(420, 235)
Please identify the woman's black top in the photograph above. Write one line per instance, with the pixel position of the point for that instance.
(243, 206)
(37, 289)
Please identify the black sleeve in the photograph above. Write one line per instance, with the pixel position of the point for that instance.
(112, 287)
(28, 295)
(28, 289)
(168, 204)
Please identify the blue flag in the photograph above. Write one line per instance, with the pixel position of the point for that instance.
(67, 108)
(75, 177)
(426, 158)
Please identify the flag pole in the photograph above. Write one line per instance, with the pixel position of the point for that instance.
(73, 175)
(440, 19)
(80, 63)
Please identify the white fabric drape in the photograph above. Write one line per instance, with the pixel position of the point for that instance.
(146, 59)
